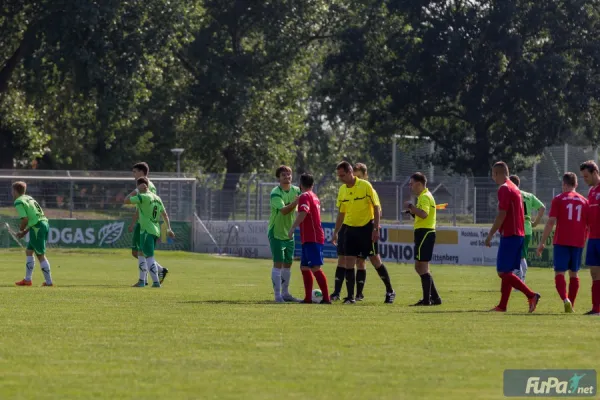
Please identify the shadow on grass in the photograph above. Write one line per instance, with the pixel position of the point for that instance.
(430, 311)
(239, 302)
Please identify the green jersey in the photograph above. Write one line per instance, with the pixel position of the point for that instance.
(279, 224)
(530, 203)
(151, 186)
(150, 208)
(28, 208)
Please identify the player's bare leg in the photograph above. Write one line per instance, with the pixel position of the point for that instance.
(361, 278)
(340, 275)
(595, 273)
(561, 289)
(350, 279)
(390, 294)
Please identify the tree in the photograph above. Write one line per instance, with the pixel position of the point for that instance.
(485, 80)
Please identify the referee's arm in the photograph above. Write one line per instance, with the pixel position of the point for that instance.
(338, 225)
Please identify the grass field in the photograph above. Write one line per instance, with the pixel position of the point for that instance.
(211, 332)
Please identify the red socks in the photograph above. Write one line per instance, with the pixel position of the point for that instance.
(505, 289)
(596, 296)
(520, 285)
(561, 286)
(573, 289)
(322, 282)
(307, 276)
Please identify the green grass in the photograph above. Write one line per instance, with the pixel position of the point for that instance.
(212, 333)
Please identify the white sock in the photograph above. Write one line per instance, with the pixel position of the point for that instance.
(276, 278)
(45, 265)
(152, 269)
(143, 268)
(159, 267)
(286, 274)
(29, 267)
(523, 269)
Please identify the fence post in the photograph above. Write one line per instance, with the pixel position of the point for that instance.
(534, 191)
(71, 195)
(257, 199)
(260, 201)
(397, 209)
(474, 204)
(248, 185)
(466, 207)
(454, 207)
(401, 205)
(194, 212)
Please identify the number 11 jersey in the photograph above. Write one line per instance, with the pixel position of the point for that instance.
(571, 211)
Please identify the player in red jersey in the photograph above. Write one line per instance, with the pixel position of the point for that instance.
(569, 211)
(589, 173)
(510, 221)
(312, 238)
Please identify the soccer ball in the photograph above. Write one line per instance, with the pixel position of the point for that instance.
(317, 296)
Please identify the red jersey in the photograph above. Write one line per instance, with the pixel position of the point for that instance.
(509, 200)
(571, 212)
(594, 212)
(311, 230)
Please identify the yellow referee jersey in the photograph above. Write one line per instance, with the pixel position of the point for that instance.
(426, 202)
(357, 203)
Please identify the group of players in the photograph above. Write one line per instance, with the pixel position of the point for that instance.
(145, 227)
(356, 233)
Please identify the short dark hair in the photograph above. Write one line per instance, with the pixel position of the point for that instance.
(143, 180)
(590, 166)
(20, 187)
(570, 179)
(502, 165)
(345, 165)
(283, 168)
(419, 177)
(515, 179)
(307, 180)
(142, 166)
(361, 167)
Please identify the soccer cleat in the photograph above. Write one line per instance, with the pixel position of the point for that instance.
(290, 299)
(533, 302)
(569, 307)
(360, 297)
(592, 312)
(156, 284)
(390, 297)
(421, 303)
(436, 302)
(279, 299)
(162, 275)
(349, 300)
(23, 283)
(334, 297)
(139, 284)
(497, 309)
(47, 284)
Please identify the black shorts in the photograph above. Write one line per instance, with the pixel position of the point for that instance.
(358, 241)
(341, 241)
(424, 242)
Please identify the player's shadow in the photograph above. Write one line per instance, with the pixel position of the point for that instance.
(238, 302)
(94, 285)
(429, 311)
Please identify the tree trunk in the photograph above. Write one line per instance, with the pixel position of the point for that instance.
(7, 149)
(25, 47)
(227, 196)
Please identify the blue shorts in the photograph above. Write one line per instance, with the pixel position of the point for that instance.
(509, 253)
(592, 255)
(312, 255)
(567, 258)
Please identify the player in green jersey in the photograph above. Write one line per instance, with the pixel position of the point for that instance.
(141, 170)
(35, 222)
(530, 204)
(150, 207)
(284, 199)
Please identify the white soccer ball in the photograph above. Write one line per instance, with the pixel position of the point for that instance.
(317, 296)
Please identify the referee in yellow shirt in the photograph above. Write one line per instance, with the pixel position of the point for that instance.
(425, 221)
(359, 215)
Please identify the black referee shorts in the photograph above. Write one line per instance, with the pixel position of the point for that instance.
(424, 242)
(341, 241)
(358, 241)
